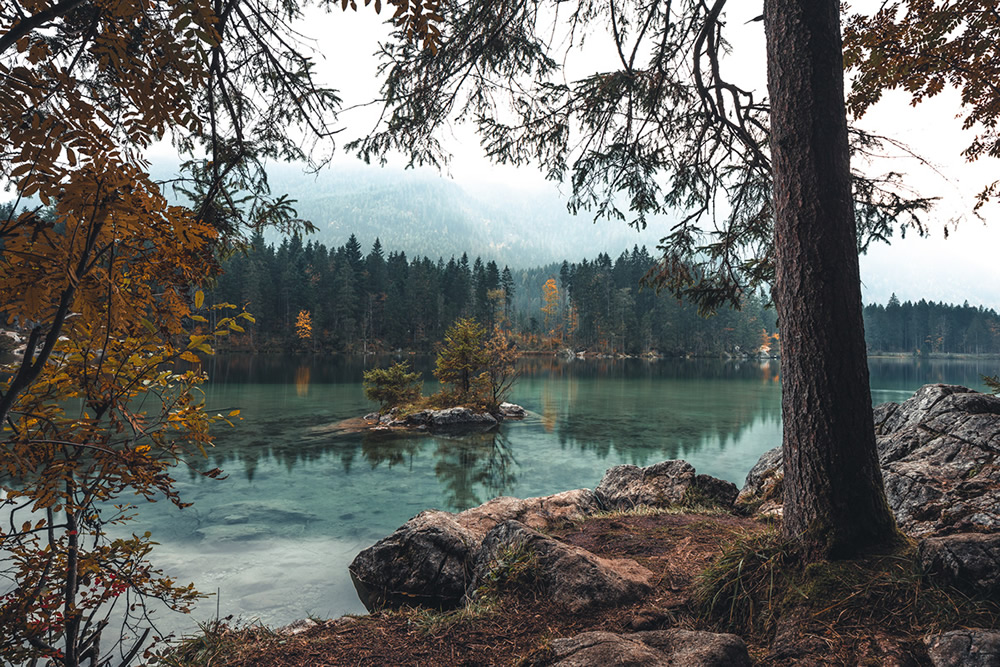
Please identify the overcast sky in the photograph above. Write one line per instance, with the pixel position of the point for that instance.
(963, 267)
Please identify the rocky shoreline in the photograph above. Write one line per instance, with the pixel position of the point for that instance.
(613, 575)
(940, 456)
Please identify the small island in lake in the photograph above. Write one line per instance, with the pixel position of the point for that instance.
(477, 370)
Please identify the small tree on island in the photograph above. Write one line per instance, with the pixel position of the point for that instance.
(501, 366)
(480, 368)
(461, 356)
(393, 386)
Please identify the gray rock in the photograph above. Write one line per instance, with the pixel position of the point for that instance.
(535, 513)
(296, 627)
(762, 479)
(661, 485)
(429, 559)
(426, 562)
(596, 649)
(567, 575)
(964, 648)
(655, 647)
(940, 457)
(970, 561)
(512, 411)
(460, 417)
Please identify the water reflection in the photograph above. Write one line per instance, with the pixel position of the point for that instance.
(485, 460)
(302, 380)
(630, 410)
(304, 496)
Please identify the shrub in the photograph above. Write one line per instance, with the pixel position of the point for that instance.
(393, 386)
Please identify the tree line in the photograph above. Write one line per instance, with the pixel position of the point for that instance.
(383, 301)
(927, 327)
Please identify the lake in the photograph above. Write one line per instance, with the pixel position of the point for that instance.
(302, 499)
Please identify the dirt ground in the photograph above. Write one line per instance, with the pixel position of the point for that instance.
(517, 628)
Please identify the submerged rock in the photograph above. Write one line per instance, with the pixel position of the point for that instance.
(940, 457)
(654, 647)
(570, 576)
(662, 485)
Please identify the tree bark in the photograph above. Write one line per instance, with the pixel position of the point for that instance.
(835, 503)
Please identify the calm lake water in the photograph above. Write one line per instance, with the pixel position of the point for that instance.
(301, 499)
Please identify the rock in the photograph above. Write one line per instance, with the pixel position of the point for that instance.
(650, 619)
(593, 649)
(512, 411)
(235, 532)
(567, 575)
(964, 648)
(654, 647)
(764, 479)
(661, 485)
(970, 561)
(535, 513)
(939, 453)
(940, 460)
(296, 627)
(460, 417)
(428, 560)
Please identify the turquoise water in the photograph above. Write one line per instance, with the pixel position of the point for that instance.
(302, 497)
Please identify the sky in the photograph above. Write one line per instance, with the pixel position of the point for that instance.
(961, 267)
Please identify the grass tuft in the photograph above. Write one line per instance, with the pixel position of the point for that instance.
(647, 510)
(758, 579)
(216, 641)
(743, 587)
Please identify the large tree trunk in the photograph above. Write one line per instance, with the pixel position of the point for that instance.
(835, 502)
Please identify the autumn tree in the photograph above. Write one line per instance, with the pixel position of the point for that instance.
(550, 307)
(303, 325)
(759, 198)
(924, 47)
(103, 276)
(500, 373)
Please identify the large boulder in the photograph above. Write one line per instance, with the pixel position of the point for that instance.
(972, 647)
(662, 485)
(940, 458)
(428, 560)
(653, 648)
(570, 576)
(939, 452)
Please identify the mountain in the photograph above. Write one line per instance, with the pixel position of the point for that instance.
(424, 213)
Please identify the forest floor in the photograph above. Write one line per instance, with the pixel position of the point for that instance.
(877, 619)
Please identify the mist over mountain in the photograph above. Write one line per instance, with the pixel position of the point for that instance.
(424, 213)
